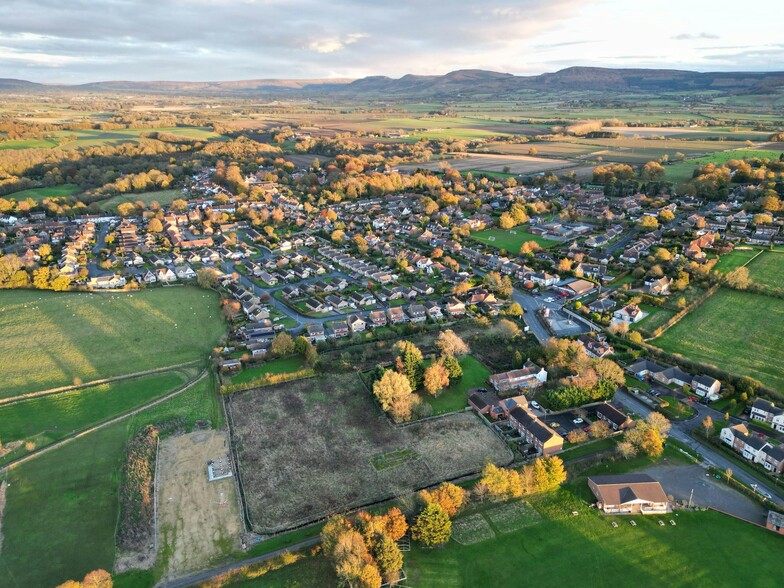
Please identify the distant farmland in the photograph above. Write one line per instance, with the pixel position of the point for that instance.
(517, 164)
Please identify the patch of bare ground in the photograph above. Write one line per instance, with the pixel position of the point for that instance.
(198, 520)
(2, 509)
(313, 447)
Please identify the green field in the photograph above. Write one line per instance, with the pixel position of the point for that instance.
(100, 138)
(162, 197)
(739, 332)
(455, 397)
(511, 239)
(284, 365)
(768, 269)
(47, 419)
(38, 194)
(28, 144)
(682, 171)
(676, 410)
(657, 316)
(735, 259)
(48, 339)
(65, 503)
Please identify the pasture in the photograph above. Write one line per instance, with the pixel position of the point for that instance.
(100, 138)
(510, 239)
(48, 339)
(514, 164)
(768, 269)
(682, 171)
(162, 197)
(739, 332)
(313, 447)
(39, 194)
(738, 257)
(74, 489)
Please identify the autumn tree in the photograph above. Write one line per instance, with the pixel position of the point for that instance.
(436, 378)
(649, 223)
(449, 343)
(432, 526)
(659, 422)
(450, 497)
(514, 310)
(530, 248)
(500, 482)
(155, 226)
(738, 278)
(282, 345)
(707, 425)
(409, 362)
(599, 429)
(452, 366)
(206, 278)
(393, 392)
(626, 449)
(506, 330)
(94, 579)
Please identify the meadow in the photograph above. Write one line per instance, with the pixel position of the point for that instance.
(682, 171)
(65, 503)
(162, 197)
(50, 339)
(38, 194)
(768, 269)
(510, 239)
(738, 257)
(738, 332)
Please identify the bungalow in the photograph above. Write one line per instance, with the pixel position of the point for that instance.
(595, 348)
(659, 287)
(661, 373)
(629, 494)
(377, 318)
(267, 278)
(396, 315)
(416, 313)
(361, 298)
(356, 324)
(423, 288)
(530, 376)
(578, 288)
(629, 314)
(602, 305)
(336, 302)
(546, 441)
(613, 417)
(706, 386)
(290, 292)
(230, 365)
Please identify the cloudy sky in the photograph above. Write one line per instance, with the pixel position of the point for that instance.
(89, 40)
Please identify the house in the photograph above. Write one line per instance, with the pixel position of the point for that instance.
(340, 329)
(775, 522)
(454, 307)
(629, 494)
(659, 287)
(594, 347)
(772, 458)
(104, 282)
(602, 305)
(767, 412)
(377, 318)
(661, 373)
(749, 446)
(629, 314)
(230, 365)
(396, 315)
(146, 277)
(416, 312)
(546, 441)
(356, 324)
(706, 386)
(612, 416)
(578, 288)
(423, 288)
(184, 272)
(315, 332)
(529, 376)
(165, 275)
(433, 310)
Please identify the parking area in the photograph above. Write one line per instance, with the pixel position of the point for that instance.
(563, 423)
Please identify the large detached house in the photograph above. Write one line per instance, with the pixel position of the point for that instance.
(529, 376)
(629, 494)
(767, 412)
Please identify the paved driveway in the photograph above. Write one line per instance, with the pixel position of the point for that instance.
(678, 480)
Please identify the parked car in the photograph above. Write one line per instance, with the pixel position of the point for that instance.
(536, 405)
(578, 421)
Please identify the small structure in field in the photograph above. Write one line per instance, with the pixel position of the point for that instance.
(218, 469)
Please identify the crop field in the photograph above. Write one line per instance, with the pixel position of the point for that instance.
(549, 148)
(38, 194)
(768, 269)
(312, 447)
(48, 339)
(517, 164)
(739, 332)
(736, 258)
(74, 489)
(162, 197)
(510, 239)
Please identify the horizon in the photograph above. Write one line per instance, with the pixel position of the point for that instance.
(229, 40)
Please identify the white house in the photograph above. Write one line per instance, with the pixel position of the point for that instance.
(706, 386)
(629, 314)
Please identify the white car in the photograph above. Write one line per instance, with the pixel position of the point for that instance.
(578, 421)
(535, 404)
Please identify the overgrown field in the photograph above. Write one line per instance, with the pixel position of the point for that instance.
(48, 339)
(511, 239)
(739, 332)
(313, 447)
(768, 269)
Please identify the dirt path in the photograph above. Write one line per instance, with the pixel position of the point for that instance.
(3, 486)
(198, 520)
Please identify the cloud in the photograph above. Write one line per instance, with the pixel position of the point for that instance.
(332, 44)
(694, 36)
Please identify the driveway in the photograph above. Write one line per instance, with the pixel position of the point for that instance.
(678, 480)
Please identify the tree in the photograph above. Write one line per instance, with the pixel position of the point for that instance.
(436, 378)
(393, 392)
(599, 429)
(707, 426)
(500, 482)
(155, 226)
(432, 526)
(649, 223)
(577, 436)
(529, 248)
(311, 356)
(300, 345)
(94, 579)
(652, 171)
(666, 216)
(556, 473)
(506, 330)
(387, 554)
(409, 362)
(337, 235)
(609, 371)
(728, 472)
(501, 285)
(514, 310)
(626, 450)
(126, 209)
(449, 343)
(727, 417)
(738, 278)
(652, 443)
(450, 497)
(659, 422)
(452, 366)
(282, 345)
(206, 278)
(396, 524)
(635, 337)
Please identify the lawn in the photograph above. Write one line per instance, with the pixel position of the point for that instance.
(657, 316)
(768, 269)
(48, 339)
(511, 239)
(739, 332)
(284, 365)
(735, 259)
(38, 194)
(65, 503)
(455, 397)
(47, 419)
(676, 410)
(162, 197)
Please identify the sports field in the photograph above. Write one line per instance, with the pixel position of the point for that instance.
(48, 339)
(38, 194)
(739, 332)
(510, 239)
(768, 269)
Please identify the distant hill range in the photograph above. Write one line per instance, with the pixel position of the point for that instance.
(454, 84)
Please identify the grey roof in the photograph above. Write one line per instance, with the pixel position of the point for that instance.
(612, 413)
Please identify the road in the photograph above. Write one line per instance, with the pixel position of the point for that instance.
(681, 431)
(93, 269)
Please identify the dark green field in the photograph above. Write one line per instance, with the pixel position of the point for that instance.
(38, 194)
(511, 239)
(737, 258)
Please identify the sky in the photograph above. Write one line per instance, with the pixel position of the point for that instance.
(77, 41)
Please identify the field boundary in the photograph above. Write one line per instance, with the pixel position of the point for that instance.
(103, 424)
(674, 320)
(72, 387)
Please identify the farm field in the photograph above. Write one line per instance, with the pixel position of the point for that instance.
(18, 144)
(341, 452)
(162, 197)
(768, 269)
(38, 194)
(510, 239)
(682, 171)
(657, 316)
(548, 148)
(49, 338)
(739, 332)
(99, 138)
(74, 489)
(517, 164)
(47, 419)
(735, 259)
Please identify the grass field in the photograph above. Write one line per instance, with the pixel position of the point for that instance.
(455, 397)
(99, 138)
(739, 332)
(50, 418)
(676, 410)
(657, 316)
(47, 339)
(162, 197)
(284, 365)
(517, 164)
(38, 194)
(511, 239)
(682, 171)
(73, 493)
(735, 259)
(768, 269)
(312, 447)
(28, 144)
